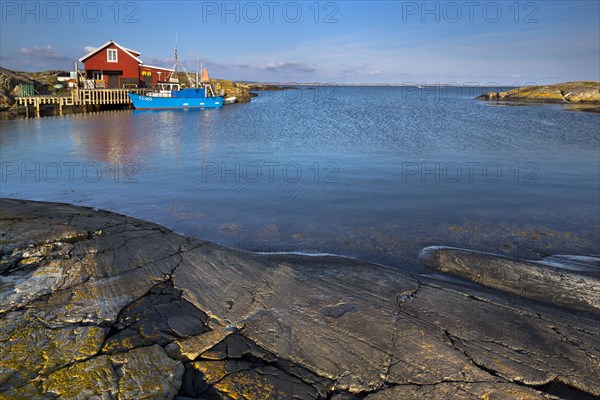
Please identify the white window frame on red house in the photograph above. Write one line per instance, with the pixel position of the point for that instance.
(113, 52)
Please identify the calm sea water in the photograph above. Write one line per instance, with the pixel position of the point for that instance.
(375, 173)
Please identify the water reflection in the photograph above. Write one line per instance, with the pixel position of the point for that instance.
(114, 139)
(395, 188)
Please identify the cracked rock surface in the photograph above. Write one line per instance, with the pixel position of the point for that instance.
(98, 305)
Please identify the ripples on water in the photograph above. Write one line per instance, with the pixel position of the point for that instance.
(376, 173)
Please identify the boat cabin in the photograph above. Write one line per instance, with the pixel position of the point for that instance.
(165, 89)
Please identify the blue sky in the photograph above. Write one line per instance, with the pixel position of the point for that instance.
(504, 42)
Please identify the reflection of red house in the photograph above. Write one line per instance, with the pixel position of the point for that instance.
(121, 67)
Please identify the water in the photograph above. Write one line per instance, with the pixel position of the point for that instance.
(375, 173)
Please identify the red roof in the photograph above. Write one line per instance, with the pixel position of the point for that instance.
(132, 53)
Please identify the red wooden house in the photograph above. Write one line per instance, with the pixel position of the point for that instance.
(114, 66)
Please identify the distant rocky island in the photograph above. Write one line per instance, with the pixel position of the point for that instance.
(99, 305)
(585, 94)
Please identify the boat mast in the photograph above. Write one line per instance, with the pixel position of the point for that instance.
(176, 58)
(196, 70)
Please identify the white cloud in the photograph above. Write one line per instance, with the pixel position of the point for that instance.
(38, 58)
(89, 49)
(377, 72)
(46, 52)
(290, 66)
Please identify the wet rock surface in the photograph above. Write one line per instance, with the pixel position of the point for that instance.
(98, 305)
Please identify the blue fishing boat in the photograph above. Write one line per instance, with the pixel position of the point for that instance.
(170, 96)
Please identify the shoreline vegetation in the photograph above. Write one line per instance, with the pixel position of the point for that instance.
(98, 303)
(576, 96)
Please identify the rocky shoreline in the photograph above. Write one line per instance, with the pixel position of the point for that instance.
(580, 95)
(99, 305)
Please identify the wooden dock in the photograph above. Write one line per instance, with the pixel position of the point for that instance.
(79, 97)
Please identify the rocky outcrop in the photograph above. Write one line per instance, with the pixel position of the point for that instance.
(571, 282)
(9, 88)
(271, 86)
(99, 305)
(10, 82)
(569, 92)
(240, 91)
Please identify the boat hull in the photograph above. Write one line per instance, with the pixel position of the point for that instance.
(174, 103)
